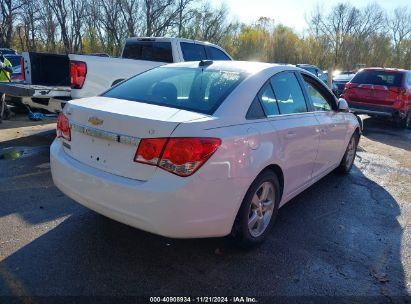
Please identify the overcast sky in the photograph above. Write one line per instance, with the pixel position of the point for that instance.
(291, 12)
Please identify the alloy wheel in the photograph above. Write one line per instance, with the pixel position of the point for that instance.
(261, 209)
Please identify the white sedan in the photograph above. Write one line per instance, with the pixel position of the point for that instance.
(203, 149)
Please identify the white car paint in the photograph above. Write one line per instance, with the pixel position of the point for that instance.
(305, 146)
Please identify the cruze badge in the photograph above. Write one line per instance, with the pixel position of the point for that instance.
(95, 121)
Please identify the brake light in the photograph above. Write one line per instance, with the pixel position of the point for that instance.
(398, 90)
(181, 155)
(149, 151)
(350, 85)
(78, 72)
(63, 127)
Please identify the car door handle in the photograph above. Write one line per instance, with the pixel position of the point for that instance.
(290, 134)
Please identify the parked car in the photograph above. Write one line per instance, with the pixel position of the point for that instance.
(5, 51)
(51, 79)
(202, 149)
(315, 70)
(15, 61)
(381, 92)
(340, 81)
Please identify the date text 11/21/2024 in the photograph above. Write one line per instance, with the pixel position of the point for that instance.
(204, 299)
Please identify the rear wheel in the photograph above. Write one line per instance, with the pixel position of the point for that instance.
(405, 122)
(258, 210)
(349, 155)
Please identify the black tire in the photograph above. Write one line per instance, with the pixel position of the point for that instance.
(347, 160)
(405, 122)
(241, 232)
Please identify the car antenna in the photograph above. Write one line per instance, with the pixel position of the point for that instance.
(205, 62)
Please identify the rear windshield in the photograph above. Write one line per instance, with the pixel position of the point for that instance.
(375, 77)
(148, 50)
(194, 89)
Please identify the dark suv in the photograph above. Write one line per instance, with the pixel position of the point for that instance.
(381, 92)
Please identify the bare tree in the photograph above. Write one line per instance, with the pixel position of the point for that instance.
(61, 12)
(9, 9)
(29, 24)
(209, 24)
(111, 20)
(400, 28)
(130, 10)
(48, 28)
(337, 27)
(161, 15)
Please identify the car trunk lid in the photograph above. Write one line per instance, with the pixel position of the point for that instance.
(105, 132)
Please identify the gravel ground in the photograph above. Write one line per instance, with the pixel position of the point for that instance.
(347, 236)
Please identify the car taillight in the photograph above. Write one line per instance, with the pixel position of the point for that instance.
(398, 90)
(78, 72)
(149, 150)
(181, 155)
(63, 127)
(350, 85)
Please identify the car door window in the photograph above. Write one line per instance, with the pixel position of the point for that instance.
(320, 98)
(287, 90)
(216, 54)
(193, 52)
(268, 100)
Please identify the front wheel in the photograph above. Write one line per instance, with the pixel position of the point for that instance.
(258, 210)
(349, 155)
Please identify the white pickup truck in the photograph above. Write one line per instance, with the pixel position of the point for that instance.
(49, 80)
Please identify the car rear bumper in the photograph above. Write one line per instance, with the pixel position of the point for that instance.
(370, 109)
(166, 204)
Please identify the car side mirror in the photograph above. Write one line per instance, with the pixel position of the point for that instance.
(343, 105)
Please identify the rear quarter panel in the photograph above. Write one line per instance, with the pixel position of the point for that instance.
(246, 149)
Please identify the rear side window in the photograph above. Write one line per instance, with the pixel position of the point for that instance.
(268, 100)
(194, 89)
(288, 92)
(148, 50)
(216, 54)
(376, 77)
(193, 52)
(255, 111)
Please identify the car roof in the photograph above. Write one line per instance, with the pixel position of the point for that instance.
(306, 65)
(248, 67)
(169, 39)
(383, 69)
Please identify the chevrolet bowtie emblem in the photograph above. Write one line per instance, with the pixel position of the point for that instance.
(95, 121)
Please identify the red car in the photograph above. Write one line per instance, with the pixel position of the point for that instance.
(381, 92)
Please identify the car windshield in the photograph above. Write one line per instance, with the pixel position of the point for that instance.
(194, 89)
(378, 77)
